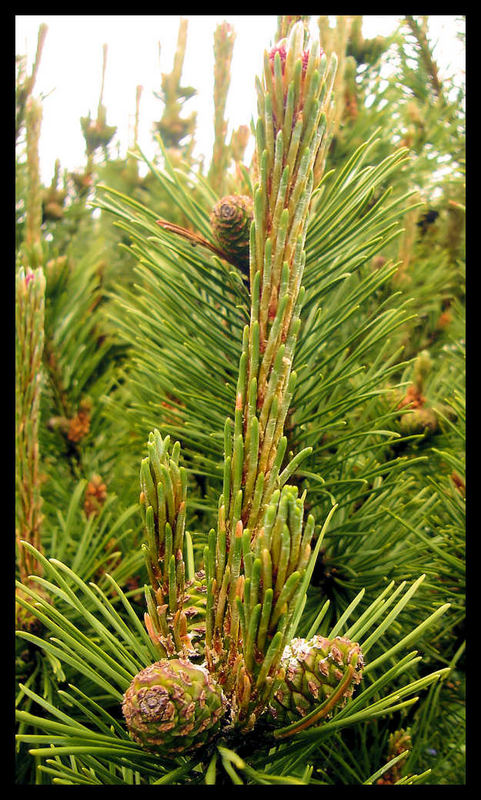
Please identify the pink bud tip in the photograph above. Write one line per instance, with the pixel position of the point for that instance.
(282, 53)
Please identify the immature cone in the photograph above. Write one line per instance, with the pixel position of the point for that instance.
(313, 671)
(420, 420)
(173, 706)
(231, 221)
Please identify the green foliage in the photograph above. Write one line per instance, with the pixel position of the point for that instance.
(145, 329)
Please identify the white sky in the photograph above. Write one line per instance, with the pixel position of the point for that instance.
(71, 65)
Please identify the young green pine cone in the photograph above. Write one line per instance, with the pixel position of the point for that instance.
(231, 221)
(313, 671)
(173, 706)
(419, 420)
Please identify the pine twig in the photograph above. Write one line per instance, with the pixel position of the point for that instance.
(255, 574)
(30, 299)
(426, 55)
(33, 237)
(24, 91)
(224, 38)
(172, 127)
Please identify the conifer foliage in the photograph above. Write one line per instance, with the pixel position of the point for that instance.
(240, 430)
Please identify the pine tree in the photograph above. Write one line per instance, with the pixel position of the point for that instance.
(279, 349)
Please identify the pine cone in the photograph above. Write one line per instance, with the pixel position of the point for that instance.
(173, 706)
(420, 420)
(313, 670)
(231, 221)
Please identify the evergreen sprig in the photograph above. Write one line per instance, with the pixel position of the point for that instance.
(338, 363)
(112, 651)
